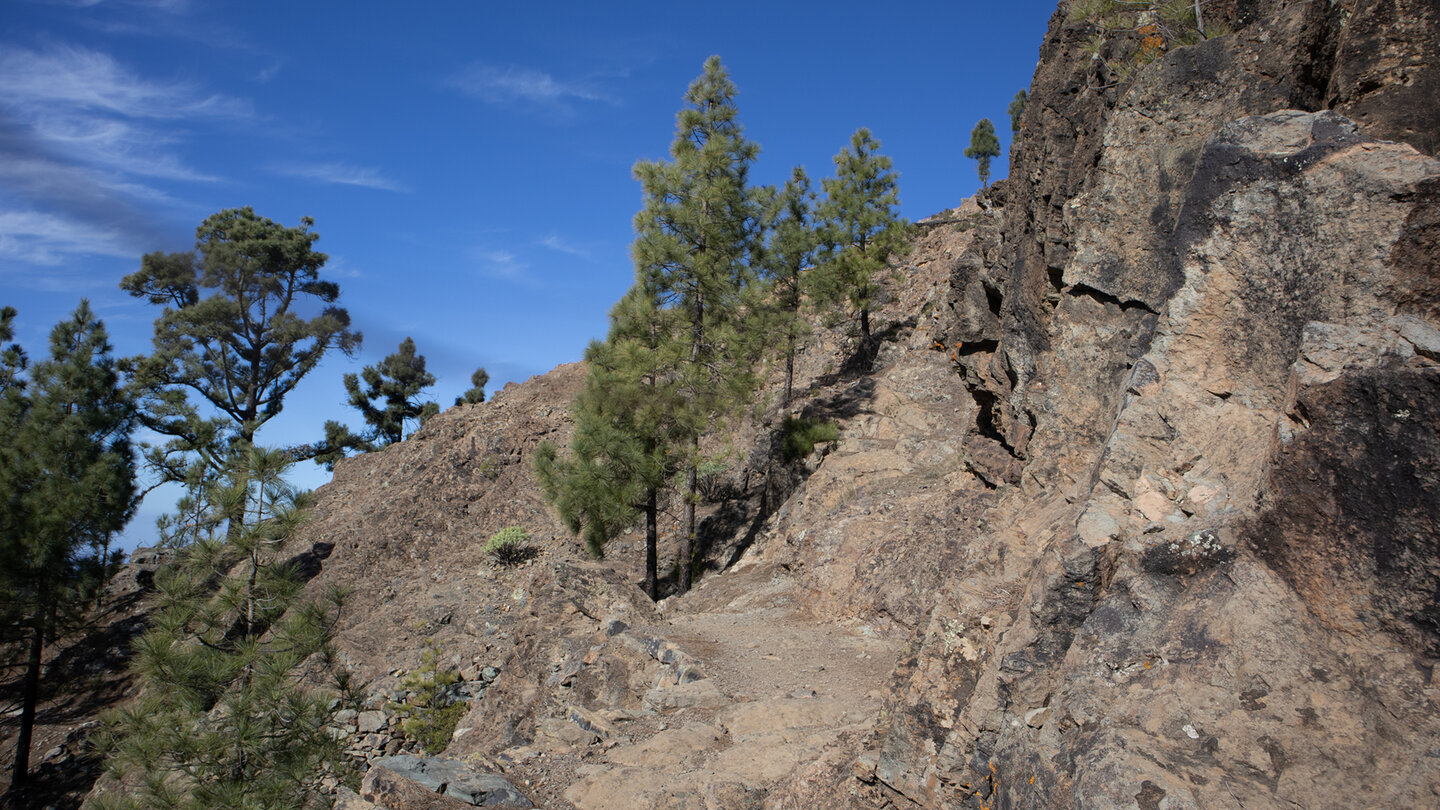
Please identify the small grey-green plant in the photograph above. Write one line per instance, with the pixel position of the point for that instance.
(509, 546)
(489, 467)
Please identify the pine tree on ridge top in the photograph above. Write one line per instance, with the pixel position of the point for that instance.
(67, 483)
(983, 146)
(241, 349)
(478, 380)
(396, 383)
(861, 226)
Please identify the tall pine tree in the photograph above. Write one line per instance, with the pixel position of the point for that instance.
(693, 248)
(678, 357)
(789, 252)
(246, 316)
(67, 482)
(862, 228)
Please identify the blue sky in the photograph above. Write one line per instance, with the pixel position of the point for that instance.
(467, 164)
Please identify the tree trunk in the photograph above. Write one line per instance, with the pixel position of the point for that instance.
(692, 475)
(789, 380)
(687, 540)
(652, 518)
(31, 698)
(104, 573)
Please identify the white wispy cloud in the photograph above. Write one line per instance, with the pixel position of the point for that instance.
(84, 80)
(340, 267)
(113, 143)
(83, 141)
(518, 85)
(268, 73)
(342, 174)
(555, 243)
(38, 238)
(502, 264)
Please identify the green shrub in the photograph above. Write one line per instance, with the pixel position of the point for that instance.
(489, 467)
(509, 546)
(798, 437)
(430, 712)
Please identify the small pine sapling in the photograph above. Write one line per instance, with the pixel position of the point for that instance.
(430, 710)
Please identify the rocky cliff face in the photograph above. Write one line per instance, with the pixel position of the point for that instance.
(1212, 361)
(1136, 506)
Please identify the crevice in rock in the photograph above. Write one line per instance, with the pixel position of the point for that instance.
(993, 298)
(1103, 297)
(1056, 277)
(985, 421)
(976, 347)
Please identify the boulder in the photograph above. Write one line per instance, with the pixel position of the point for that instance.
(411, 783)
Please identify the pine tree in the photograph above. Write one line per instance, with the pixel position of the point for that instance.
(478, 379)
(1016, 110)
(983, 146)
(224, 717)
(240, 349)
(396, 384)
(623, 450)
(693, 248)
(339, 442)
(862, 228)
(793, 242)
(67, 482)
(12, 357)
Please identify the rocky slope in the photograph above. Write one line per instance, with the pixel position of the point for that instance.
(1136, 506)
